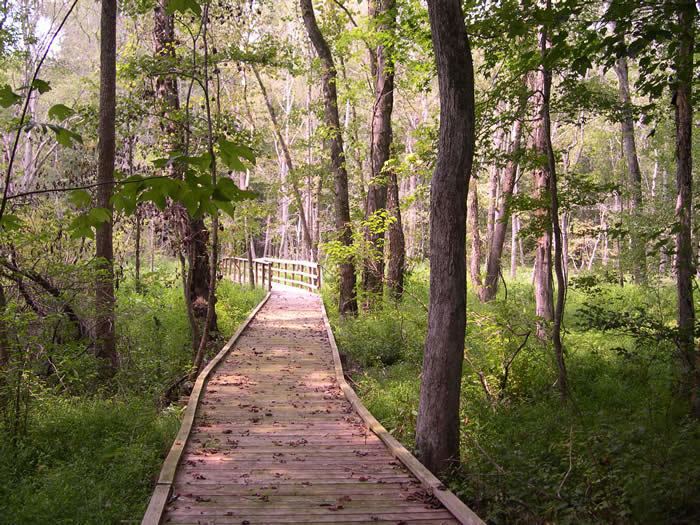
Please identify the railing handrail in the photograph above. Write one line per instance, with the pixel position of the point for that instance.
(306, 274)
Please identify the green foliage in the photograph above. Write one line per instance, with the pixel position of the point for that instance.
(622, 452)
(84, 461)
(8, 97)
(89, 452)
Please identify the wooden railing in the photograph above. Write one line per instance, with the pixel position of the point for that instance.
(302, 274)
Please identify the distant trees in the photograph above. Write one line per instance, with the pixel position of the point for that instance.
(329, 77)
(437, 426)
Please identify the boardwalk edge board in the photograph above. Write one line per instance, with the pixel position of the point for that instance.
(451, 502)
(161, 493)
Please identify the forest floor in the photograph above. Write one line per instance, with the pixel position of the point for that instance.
(88, 455)
(622, 451)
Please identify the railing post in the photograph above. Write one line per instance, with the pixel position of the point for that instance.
(269, 281)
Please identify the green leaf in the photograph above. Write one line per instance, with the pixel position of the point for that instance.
(41, 86)
(60, 112)
(10, 222)
(182, 6)
(202, 162)
(232, 153)
(226, 207)
(80, 198)
(8, 97)
(97, 216)
(65, 137)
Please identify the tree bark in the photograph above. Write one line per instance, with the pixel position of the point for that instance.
(542, 271)
(348, 300)
(437, 428)
(473, 226)
(4, 340)
(562, 377)
(384, 13)
(685, 267)
(397, 241)
(629, 147)
(106, 350)
(194, 233)
(137, 250)
(497, 240)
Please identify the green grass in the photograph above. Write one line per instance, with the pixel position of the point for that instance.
(90, 455)
(623, 451)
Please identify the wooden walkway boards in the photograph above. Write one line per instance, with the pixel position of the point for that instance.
(275, 438)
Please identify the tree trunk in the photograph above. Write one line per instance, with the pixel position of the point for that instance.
(348, 300)
(4, 340)
(106, 349)
(193, 232)
(542, 270)
(437, 428)
(684, 204)
(137, 250)
(473, 225)
(638, 255)
(397, 242)
(546, 73)
(497, 240)
(384, 13)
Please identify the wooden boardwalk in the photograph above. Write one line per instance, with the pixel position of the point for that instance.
(275, 438)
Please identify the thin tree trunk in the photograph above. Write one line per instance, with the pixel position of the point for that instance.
(106, 349)
(685, 270)
(384, 13)
(513, 247)
(562, 378)
(137, 250)
(437, 427)
(629, 147)
(397, 242)
(308, 241)
(4, 340)
(497, 240)
(473, 226)
(348, 300)
(193, 231)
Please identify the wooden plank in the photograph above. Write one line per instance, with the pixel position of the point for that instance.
(313, 449)
(167, 473)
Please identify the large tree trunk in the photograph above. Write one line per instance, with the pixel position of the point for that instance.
(348, 300)
(493, 261)
(437, 428)
(473, 226)
(629, 147)
(106, 349)
(193, 232)
(542, 271)
(684, 204)
(384, 12)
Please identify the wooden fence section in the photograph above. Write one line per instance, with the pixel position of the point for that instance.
(300, 274)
